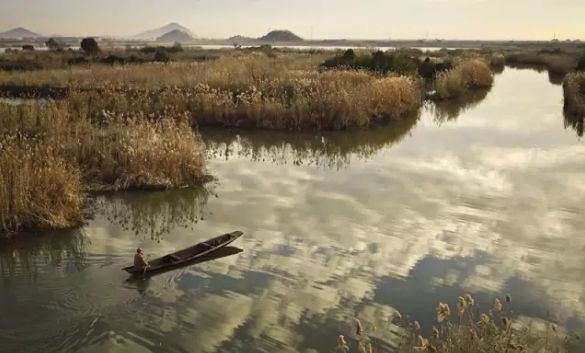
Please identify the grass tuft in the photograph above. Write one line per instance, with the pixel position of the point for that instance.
(468, 74)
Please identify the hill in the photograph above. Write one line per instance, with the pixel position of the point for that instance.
(18, 33)
(280, 36)
(159, 32)
(175, 36)
(240, 39)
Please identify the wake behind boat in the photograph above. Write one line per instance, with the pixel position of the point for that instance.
(186, 255)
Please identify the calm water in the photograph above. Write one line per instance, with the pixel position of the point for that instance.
(485, 197)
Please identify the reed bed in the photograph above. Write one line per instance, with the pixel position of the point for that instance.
(558, 63)
(497, 60)
(38, 188)
(333, 100)
(466, 75)
(251, 90)
(574, 91)
(50, 156)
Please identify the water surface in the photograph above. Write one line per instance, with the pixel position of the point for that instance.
(486, 196)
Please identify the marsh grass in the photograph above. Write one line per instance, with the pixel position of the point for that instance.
(333, 100)
(49, 156)
(240, 90)
(467, 75)
(497, 60)
(38, 188)
(574, 92)
(554, 62)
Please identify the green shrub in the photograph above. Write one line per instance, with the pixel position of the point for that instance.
(377, 62)
(161, 56)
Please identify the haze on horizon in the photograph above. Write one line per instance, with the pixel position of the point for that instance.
(311, 19)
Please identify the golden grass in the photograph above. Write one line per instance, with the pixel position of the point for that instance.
(466, 75)
(238, 90)
(49, 156)
(574, 91)
(122, 151)
(332, 100)
(38, 188)
(497, 60)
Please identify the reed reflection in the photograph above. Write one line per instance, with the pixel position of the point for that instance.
(154, 214)
(332, 150)
(575, 122)
(31, 252)
(444, 111)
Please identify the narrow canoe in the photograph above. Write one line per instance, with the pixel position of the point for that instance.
(186, 255)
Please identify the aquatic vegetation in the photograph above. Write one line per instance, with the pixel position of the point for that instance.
(470, 330)
(38, 187)
(48, 156)
(241, 90)
(497, 60)
(117, 151)
(383, 62)
(555, 61)
(560, 64)
(467, 75)
(574, 91)
(334, 100)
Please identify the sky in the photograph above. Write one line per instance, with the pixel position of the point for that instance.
(311, 19)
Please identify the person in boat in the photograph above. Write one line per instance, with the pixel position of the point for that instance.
(140, 260)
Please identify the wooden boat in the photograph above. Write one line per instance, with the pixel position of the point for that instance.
(187, 255)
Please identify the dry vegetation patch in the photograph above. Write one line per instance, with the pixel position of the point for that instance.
(48, 156)
(574, 91)
(466, 75)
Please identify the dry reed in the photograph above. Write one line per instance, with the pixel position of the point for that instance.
(469, 330)
(49, 155)
(574, 91)
(466, 75)
(38, 188)
(497, 60)
(252, 90)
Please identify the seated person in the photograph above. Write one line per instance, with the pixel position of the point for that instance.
(140, 261)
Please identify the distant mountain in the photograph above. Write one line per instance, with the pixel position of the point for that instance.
(280, 36)
(159, 32)
(175, 36)
(18, 33)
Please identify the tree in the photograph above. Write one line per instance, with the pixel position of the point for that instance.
(161, 55)
(90, 46)
(52, 44)
(349, 54)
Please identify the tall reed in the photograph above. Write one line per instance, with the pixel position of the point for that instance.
(48, 156)
(38, 188)
(574, 92)
(466, 75)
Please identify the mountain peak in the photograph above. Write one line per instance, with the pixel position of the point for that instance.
(161, 31)
(175, 35)
(19, 32)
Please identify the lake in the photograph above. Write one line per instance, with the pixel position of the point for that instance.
(484, 197)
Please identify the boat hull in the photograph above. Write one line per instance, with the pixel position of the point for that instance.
(187, 255)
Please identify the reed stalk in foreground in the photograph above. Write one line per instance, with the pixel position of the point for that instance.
(464, 328)
(467, 75)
